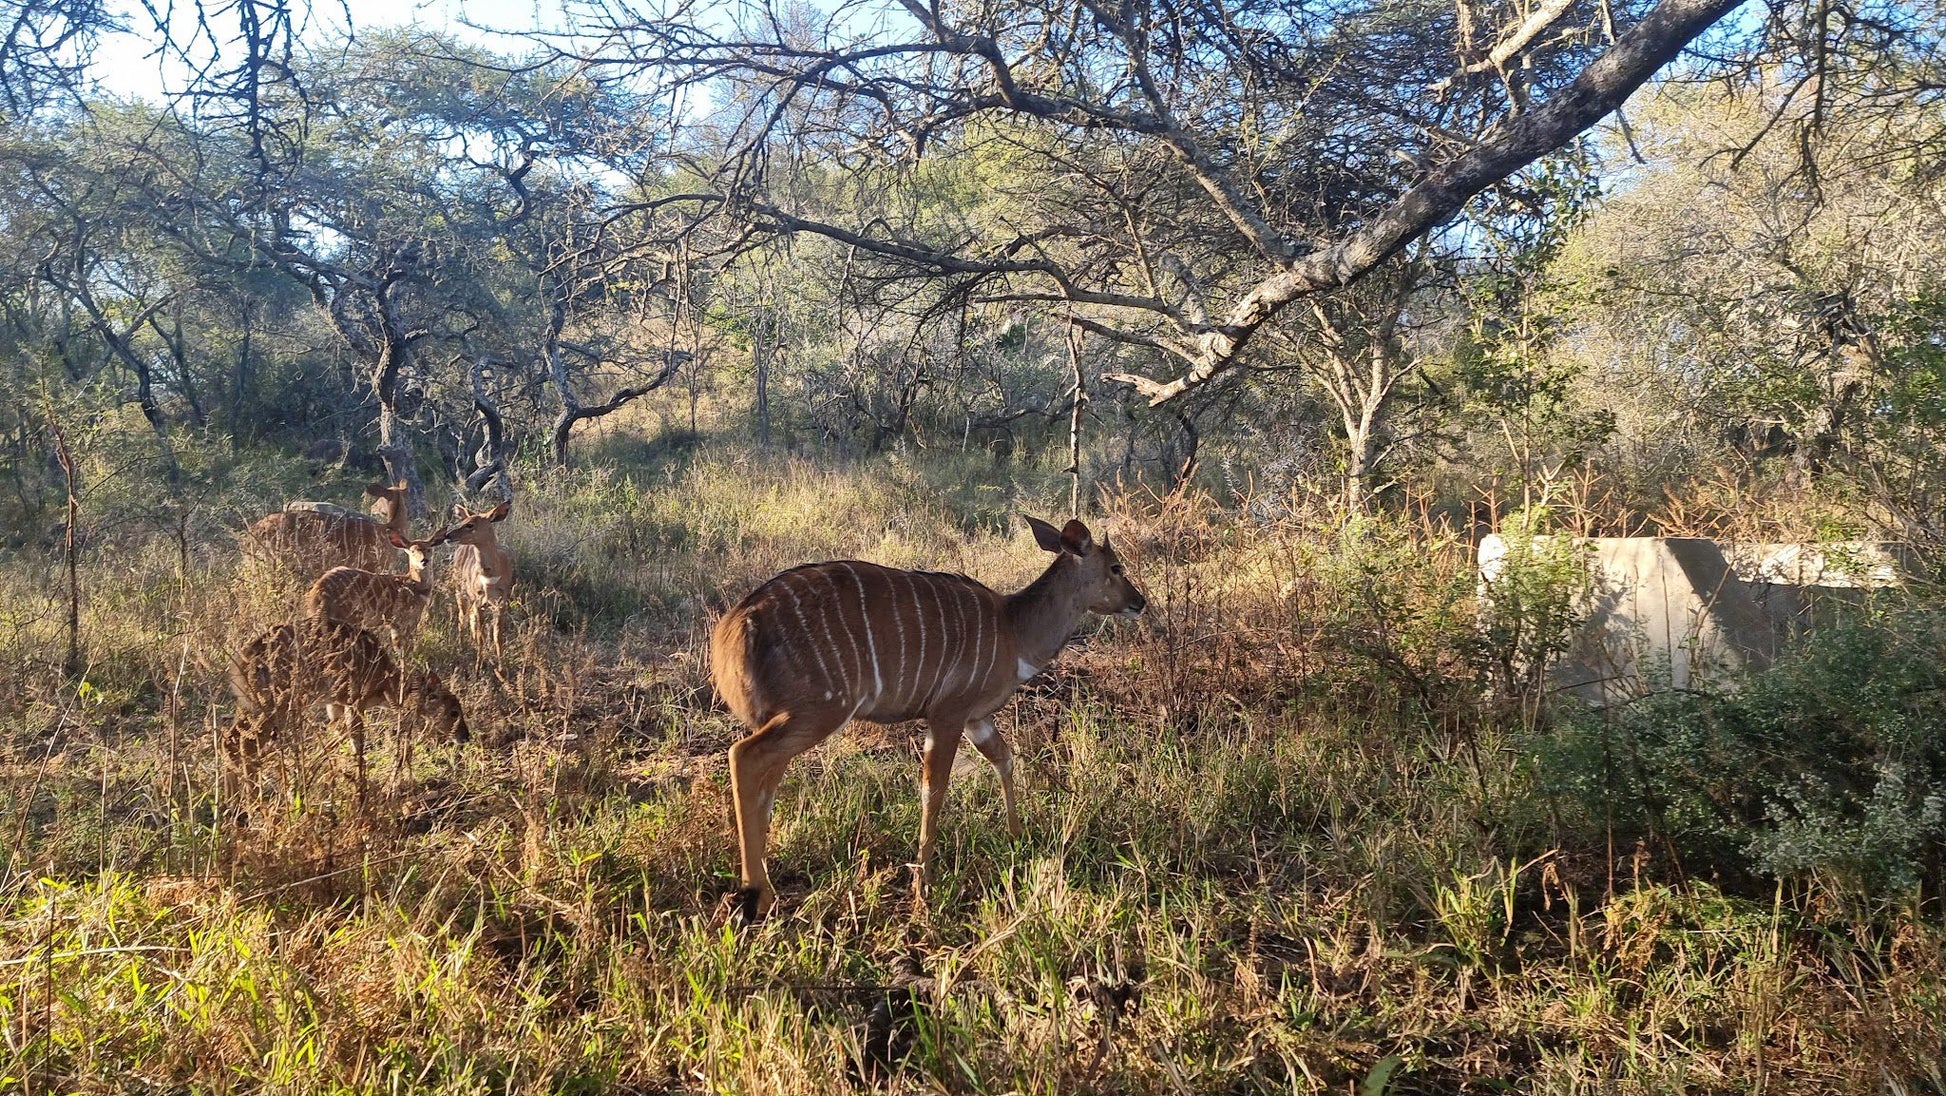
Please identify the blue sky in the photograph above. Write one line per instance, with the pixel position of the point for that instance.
(123, 65)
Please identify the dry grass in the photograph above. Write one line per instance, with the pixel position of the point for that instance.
(1275, 843)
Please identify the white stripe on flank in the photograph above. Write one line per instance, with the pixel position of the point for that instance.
(871, 645)
(898, 619)
(804, 622)
(945, 652)
(823, 606)
(827, 609)
(986, 672)
(838, 607)
(919, 617)
(979, 634)
(944, 592)
(959, 653)
(974, 680)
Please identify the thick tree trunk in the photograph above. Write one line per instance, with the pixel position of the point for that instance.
(401, 463)
(490, 461)
(394, 346)
(1361, 459)
(559, 436)
(152, 411)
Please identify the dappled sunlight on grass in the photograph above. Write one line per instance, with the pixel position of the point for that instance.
(1277, 840)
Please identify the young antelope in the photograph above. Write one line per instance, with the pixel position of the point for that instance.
(282, 673)
(373, 601)
(311, 538)
(483, 575)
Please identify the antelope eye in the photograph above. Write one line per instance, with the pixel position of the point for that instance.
(1115, 570)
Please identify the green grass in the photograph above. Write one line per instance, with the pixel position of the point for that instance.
(1256, 859)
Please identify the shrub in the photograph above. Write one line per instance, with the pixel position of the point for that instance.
(1832, 763)
(1530, 612)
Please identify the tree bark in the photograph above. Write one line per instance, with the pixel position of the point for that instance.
(1079, 404)
(490, 460)
(240, 380)
(1361, 459)
(394, 441)
(760, 351)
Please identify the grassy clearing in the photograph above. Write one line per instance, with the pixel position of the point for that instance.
(1276, 842)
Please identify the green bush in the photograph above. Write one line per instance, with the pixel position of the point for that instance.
(1831, 763)
(1530, 611)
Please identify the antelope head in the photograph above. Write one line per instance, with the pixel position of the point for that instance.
(1096, 572)
(388, 502)
(416, 551)
(475, 528)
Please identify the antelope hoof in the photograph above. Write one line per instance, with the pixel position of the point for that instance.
(750, 905)
(923, 875)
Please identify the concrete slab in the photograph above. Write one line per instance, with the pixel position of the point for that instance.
(1658, 613)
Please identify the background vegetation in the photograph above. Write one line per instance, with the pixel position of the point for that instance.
(1315, 823)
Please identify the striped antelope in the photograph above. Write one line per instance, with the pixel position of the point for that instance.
(826, 643)
(367, 599)
(483, 573)
(280, 674)
(314, 537)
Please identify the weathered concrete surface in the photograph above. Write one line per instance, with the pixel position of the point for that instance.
(1841, 565)
(1660, 613)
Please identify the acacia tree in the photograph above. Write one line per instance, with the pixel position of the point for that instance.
(45, 46)
(564, 285)
(1355, 347)
(85, 275)
(437, 209)
(1777, 290)
(1177, 175)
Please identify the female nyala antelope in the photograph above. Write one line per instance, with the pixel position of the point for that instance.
(483, 573)
(313, 538)
(279, 675)
(367, 599)
(826, 643)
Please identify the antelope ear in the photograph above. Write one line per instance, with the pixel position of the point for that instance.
(376, 490)
(500, 512)
(1045, 535)
(398, 541)
(1076, 538)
